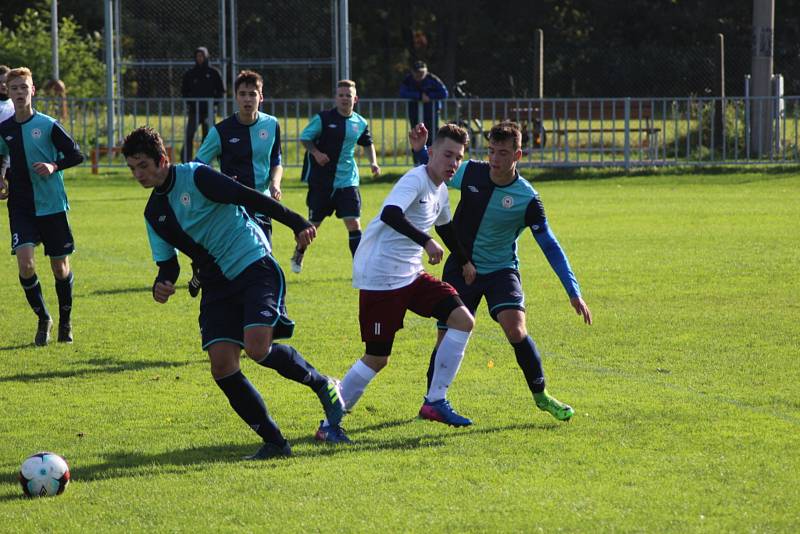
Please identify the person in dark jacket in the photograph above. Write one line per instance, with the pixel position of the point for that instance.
(200, 82)
(424, 90)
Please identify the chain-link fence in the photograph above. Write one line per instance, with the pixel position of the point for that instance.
(290, 43)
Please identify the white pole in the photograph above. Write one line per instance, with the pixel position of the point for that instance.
(109, 42)
(761, 69)
(54, 37)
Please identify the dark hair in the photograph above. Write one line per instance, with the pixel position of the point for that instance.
(504, 131)
(144, 140)
(249, 77)
(454, 132)
(4, 69)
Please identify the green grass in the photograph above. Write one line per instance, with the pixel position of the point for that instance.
(686, 387)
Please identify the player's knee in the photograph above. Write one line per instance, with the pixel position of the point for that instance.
(60, 270)
(515, 333)
(461, 319)
(257, 349)
(222, 368)
(375, 362)
(27, 268)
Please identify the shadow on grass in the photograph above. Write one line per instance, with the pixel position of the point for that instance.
(122, 290)
(133, 464)
(99, 366)
(17, 347)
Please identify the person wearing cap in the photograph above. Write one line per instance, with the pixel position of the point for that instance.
(200, 82)
(425, 90)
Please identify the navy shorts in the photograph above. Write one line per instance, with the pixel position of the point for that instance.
(323, 202)
(502, 289)
(257, 297)
(28, 229)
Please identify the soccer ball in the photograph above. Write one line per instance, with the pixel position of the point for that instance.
(44, 474)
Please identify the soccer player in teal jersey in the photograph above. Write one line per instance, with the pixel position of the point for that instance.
(496, 206)
(330, 166)
(248, 146)
(40, 151)
(200, 212)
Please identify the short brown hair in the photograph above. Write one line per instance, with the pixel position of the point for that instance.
(346, 83)
(454, 132)
(19, 72)
(144, 140)
(504, 131)
(250, 77)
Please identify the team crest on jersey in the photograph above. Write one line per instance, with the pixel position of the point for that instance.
(508, 201)
(36, 133)
(262, 134)
(186, 200)
(233, 140)
(354, 127)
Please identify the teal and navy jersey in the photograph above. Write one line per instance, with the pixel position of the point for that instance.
(193, 211)
(247, 152)
(39, 139)
(489, 219)
(337, 137)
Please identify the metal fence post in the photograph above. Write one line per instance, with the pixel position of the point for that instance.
(627, 134)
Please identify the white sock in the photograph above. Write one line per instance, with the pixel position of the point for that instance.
(355, 382)
(448, 360)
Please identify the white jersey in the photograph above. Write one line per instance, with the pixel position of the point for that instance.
(386, 259)
(6, 109)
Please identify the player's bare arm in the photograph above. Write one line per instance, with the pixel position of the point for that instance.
(44, 169)
(435, 251)
(417, 137)
(275, 177)
(321, 158)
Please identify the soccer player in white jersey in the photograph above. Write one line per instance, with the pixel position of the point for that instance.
(387, 269)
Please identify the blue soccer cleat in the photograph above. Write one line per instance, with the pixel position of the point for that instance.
(442, 412)
(331, 434)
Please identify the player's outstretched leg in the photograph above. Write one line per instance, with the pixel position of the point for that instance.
(290, 364)
(530, 361)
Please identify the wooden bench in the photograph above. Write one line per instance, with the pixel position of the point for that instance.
(100, 151)
(577, 117)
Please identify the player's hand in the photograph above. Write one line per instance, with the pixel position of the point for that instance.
(44, 169)
(321, 157)
(435, 252)
(417, 137)
(162, 291)
(305, 237)
(376, 169)
(425, 98)
(581, 309)
(469, 272)
(3, 189)
(275, 191)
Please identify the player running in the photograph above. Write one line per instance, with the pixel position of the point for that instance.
(40, 151)
(330, 166)
(496, 205)
(200, 212)
(387, 270)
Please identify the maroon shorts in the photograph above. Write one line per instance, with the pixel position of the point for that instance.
(381, 313)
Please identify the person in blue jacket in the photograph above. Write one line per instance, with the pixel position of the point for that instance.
(424, 90)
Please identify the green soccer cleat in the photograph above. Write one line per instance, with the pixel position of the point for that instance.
(556, 408)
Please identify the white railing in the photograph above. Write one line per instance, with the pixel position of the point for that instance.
(618, 132)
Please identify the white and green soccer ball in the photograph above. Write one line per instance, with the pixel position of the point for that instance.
(44, 474)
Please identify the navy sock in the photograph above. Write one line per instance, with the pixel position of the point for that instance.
(431, 367)
(64, 292)
(531, 363)
(33, 292)
(355, 239)
(290, 364)
(246, 401)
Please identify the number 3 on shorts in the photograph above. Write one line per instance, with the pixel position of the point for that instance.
(14, 240)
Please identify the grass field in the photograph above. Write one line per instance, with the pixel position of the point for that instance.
(686, 387)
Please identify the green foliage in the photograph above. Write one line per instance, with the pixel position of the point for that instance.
(28, 45)
(686, 387)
